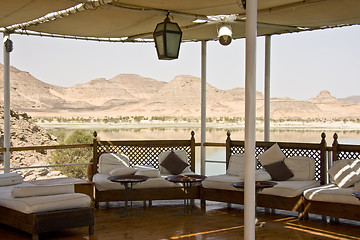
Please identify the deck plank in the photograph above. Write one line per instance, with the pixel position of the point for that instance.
(166, 220)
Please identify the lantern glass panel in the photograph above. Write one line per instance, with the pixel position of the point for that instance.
(173, 44)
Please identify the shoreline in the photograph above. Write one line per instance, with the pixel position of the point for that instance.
(274, 126)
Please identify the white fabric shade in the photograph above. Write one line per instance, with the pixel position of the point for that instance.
(135, 19)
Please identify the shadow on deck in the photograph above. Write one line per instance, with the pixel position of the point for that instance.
(166, 220)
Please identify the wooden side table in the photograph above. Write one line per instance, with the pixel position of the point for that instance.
(259, 185)
(128, 181)
(80, 186)
(187, 181)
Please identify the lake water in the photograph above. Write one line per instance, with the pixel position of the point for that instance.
(219, 136)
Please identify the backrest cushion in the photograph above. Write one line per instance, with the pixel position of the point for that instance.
(342, 174)
(13, 178)
(303, 168)
(272, 155)
(236, 165)
(110, 161)
(355, 165)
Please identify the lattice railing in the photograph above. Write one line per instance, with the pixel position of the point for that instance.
(144, 152)
(142, 155)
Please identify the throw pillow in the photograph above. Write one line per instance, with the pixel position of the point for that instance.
(278, 171)
(355, 165)
(272, 155)
(173, 164)
(236, 165)
(122, 171)
(182, 154)
(342, 174)
(7, 179)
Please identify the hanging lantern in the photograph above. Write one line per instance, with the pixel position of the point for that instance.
(167, 37)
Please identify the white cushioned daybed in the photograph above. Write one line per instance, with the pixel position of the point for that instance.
(42, 208)
(156, 187)
(290, 165)
(335, 198)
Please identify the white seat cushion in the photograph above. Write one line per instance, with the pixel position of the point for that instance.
(290, 188)
(224, 181)
(42, 203)
(332, 193)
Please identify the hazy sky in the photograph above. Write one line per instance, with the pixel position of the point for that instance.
(302, 64)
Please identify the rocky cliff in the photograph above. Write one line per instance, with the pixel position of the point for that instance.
(23, 132)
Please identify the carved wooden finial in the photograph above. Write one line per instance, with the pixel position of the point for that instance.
(335, 136)
(192, 133)
(323, 135)
(95, 134)
(228, 133)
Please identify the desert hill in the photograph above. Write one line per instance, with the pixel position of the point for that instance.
(133, 95)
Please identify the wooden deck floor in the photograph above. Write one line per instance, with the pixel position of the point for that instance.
(166, 220)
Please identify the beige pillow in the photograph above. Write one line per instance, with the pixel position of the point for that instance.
(236, 165)
(151, 173)
(272, 155)
(342, 174)
(355, 165)
(303, 168)
(122, 171)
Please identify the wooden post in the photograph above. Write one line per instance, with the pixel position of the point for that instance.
(323, 159)
(228, 149)
(95, 155)
(192, 146)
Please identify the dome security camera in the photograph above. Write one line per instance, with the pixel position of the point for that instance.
(225, 34)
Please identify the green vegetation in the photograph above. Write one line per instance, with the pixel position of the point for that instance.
(138, 119)
(73, 155)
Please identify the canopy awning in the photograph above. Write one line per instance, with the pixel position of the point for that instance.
(135, 20)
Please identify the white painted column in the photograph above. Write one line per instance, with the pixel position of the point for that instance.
(267, 88)
(7, 50)
(250, 119)
(203, 106)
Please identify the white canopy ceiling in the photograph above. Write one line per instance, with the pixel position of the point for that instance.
(131, 20)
